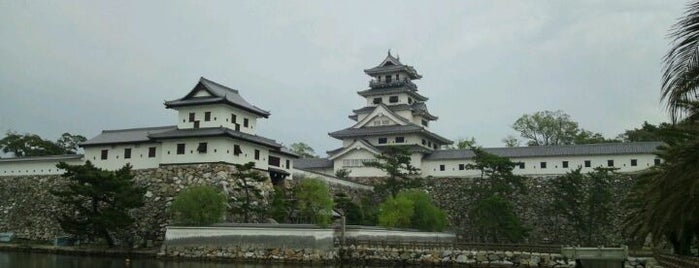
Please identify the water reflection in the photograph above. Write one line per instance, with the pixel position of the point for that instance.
(43, 260)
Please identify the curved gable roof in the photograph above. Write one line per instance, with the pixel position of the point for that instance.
(219, 94)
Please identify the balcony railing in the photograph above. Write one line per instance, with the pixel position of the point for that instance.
(394, 83)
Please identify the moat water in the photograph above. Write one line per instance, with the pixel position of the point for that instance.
(45, 260)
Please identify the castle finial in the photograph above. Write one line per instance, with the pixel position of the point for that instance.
(389, 52)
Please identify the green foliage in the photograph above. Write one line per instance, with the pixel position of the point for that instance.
(352, 212)
(198, 206)
(395, 161)
(491, 213)
(69, 143)
(397, 212)
(303, 150)
(554, 128)
(250, 197)
(342, 173)
(370, 211)
(98, 201)
(647, 132)
(314, 202)
(281, 205)
(464, 143)
(22, 145)
(511, 141)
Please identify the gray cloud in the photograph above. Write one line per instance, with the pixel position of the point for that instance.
(86, 66)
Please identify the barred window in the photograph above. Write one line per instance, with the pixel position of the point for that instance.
(356, 162)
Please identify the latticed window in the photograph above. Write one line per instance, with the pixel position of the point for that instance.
(356, 162)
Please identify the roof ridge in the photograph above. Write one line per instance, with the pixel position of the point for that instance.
(218, 84)
(137, 128)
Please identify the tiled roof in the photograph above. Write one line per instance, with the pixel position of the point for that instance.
(41, 158)
(392, 90)
(386, 130)
(132, 135)
(304, 163)
(220, 93)
(553, 150)
(214, 131)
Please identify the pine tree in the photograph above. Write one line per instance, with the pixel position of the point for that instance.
(249, 202)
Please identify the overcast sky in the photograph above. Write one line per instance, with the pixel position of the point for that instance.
(81, 67)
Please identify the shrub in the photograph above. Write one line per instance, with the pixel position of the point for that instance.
(412, 209)
(396, 212)
(198, 206)
(314, 202)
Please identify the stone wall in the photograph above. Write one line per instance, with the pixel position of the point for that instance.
(28, 209)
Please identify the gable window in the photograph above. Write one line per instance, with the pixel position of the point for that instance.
(196, 124)
(383, 140)
(565, 164)
(400, 139)
(377, 100)
(393, 99)
(246, 122)
(104, 154)
(191, 117)
(236, 150)
(587, 163)
(207, 116)
(441, 167)
(202, 147)
(388, 78)
(634, 162)
(127, 153)
(151, 152)
(462, 166)
(656, 161)
(542, 164)
(257, 154)
(180, 148)
(610, 163)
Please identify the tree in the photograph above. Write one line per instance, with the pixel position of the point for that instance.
(352, 212)
(680, 69)
(343, 173)
(98, 201)
(199, 205)
(511, 141)
(647, 132)
(395, 161)
(412, 209)
(281, 205)
(396, 212)
(314, 202)
(554, 128)
(247, 182)
(303, 150)
(69, 143)
(491, 213)
(464, 143)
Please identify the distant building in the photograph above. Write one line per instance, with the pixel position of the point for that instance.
(396, 115)
(214, 125)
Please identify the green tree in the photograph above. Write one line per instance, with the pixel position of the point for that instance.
(395, 161)
(303, 150)
(70, 143)
(647, 132)
(314, 202)
(98, 201)
(22, 145)
(567, 204)
(554, 128)
(511, 141)
(281, 205)
(491, 213)
(427, 216)
(352, 212)
(464, 143)
(396, 212)
(199, 205)
(250, 199)
(343, 173)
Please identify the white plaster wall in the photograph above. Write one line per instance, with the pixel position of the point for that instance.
(35, 167)
(358, 171)
(115, 156)
(220, 117)
(553, 165)
(282, 161)
(368, 233)
(219, 149)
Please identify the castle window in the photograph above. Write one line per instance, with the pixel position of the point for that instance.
(202, 147)
(127, 153)
(257, 154)
(233, 118)
(287, 163)
(634, 162)
(236, 150)
(151, 152)
(610, 163)
(104, 154)
(425, 122)
(377, 100)
(393, 99)
(237, 127)
(587, 163)
(542, 164)
(196, 124)
(397, 76)
(191, 117)
(521, 165)
(400, 139)
(565, 164)
(434, 146)
(462, 166)
(274, 161)
(180, 148)
(410, 100)
(245, 122)
(388, 78)
(656, 161)
(383, 140)
(424, 142)
(441, 167)
(207, 116)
